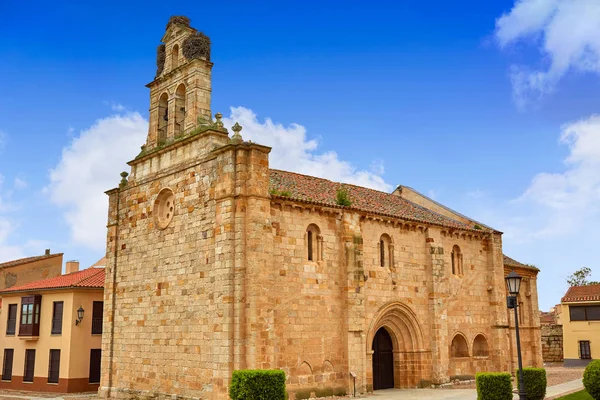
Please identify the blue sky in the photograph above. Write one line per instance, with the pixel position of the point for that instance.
(466, 102)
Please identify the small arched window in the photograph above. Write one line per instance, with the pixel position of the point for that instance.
(314, 243)
(480, 346)
(457, 261)
(386, 251)
(163, 117)
(459, 347)
(175, 57)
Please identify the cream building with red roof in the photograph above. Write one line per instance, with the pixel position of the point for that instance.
(581, 325)
(51, 332)
(215, 263)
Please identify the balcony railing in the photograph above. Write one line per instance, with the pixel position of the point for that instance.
(11, 326)
(56, 326)
(97, 325)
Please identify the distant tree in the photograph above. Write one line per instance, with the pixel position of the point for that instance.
(580, 278)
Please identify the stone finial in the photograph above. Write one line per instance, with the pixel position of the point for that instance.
(237, 128)
(123, 179)
(218, 117)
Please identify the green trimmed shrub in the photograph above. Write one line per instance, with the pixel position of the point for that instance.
(535, 383)
(591, 379)
(493, 386)
(258, 384)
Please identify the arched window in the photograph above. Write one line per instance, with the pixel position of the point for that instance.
(480, 347)
(314, 243)
(163, 117)
(386, 251)
(175, 57)
(459, 347)
(179, 109)
(457, 261)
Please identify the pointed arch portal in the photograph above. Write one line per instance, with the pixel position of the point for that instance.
(396, 348)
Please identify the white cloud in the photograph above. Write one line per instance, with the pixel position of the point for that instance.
(571, 197)
(567, 33)
(117, 107)
(293, 151)
(20, 183)
(89, 166)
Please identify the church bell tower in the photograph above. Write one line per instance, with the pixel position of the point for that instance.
(180, 93)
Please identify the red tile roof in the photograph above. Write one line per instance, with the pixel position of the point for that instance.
(510, 262)
(88, 278)
(28, 260)
(582, 293)
(314, 190)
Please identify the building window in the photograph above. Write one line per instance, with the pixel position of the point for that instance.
(457, 261)
(57, 317)
(314, 243)
(30, 316)
(95, 357)
(11, 322)
(29, 365)
(386, 251)
(54, 366)
(97, 311)
(584, 313)
(8, 364)
(584, 350)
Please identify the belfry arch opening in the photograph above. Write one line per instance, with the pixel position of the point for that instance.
(163, 118)
(175, 57)
(179, 110)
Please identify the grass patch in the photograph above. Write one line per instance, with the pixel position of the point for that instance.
(583, 395)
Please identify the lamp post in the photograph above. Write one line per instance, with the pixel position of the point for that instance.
(513, 283)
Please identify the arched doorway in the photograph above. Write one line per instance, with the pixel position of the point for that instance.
(395, 330)
(383, 360)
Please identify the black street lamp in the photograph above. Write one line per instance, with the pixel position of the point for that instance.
(513, 283)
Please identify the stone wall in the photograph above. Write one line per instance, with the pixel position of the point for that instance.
(552, 343)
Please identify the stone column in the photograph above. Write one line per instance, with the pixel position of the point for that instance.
(352, 245)
(500, 343)
(438, 308)
(108, 346)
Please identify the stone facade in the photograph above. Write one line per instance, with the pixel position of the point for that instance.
(249, 274)
(552, 343)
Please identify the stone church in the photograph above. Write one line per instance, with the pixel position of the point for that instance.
(217, 262)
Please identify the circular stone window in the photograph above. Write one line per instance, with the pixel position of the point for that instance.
(164, 207)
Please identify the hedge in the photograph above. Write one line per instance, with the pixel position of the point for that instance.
(494, 386)
(535, 383)
(256, 384)
(591, 379)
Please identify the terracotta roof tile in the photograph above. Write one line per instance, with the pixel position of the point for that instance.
(87, 278)
(28, 260)
(315, 190)
(510, 262)
(582, 293)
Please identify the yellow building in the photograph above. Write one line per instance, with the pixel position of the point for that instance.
(581, 325)
(51, 332)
